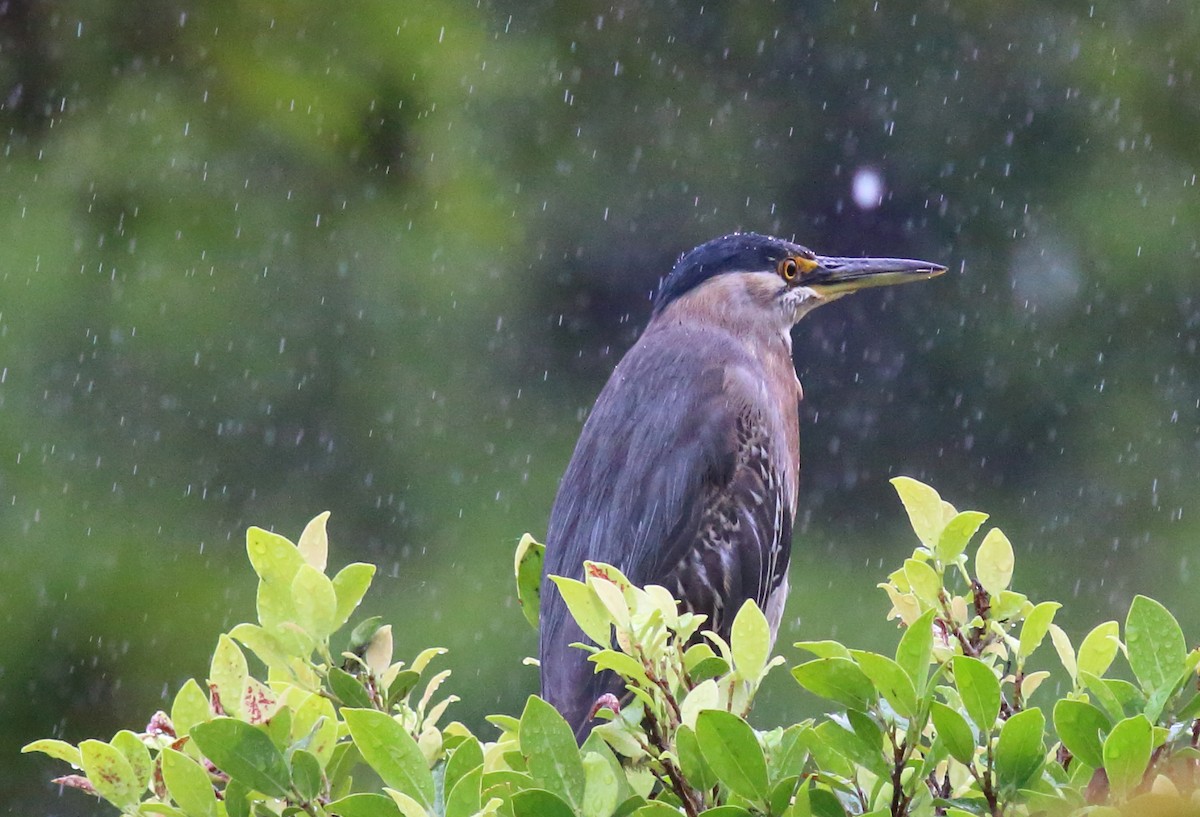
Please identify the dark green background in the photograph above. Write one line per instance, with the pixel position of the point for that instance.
(260, 260)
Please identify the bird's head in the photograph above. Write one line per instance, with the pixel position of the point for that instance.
(776, 279)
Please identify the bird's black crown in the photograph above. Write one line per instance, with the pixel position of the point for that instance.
(739, 252)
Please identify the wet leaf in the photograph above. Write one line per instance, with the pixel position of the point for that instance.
(1081, 728)
(957, 534)
(1099, 648)
(314, 542)
(315, 602)
(915, 650)
(733, 753)
(350, 585)
(954, 731)
(1127, 753)
(979, 689)
(110, 774)
(994, 562)
(1157, 650)
(188, 784)
(228, 673)
(391, 751)
(750, 641)
(1036, 625)
(890, 680)
(549, 747)
(924, 508)
(306, 774)
(528, 562)
(1019, 749)
(838, 679)
(364, 805)
(245, 754)
(586, 609)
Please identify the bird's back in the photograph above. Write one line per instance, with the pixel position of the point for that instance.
(690, 494)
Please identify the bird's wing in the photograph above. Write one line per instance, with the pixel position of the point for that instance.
(670, 473)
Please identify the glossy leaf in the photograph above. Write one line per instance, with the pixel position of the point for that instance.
(350, 585)
(732, 752)
(315, 601)
(1127, 753)
(137, 754)
(915, 650)
(527, 565)
(890, 680)
(994, 562)
(1066, 652)
(540, 803)
(364, 805)
(601, 790)
(306, 774)
(245, 754)
(1036, 625)
(838, 679)
(923, 580)
(979, 689)
(390, 750)
(313, 543)
(1155, 644)
(228, 672)
(691, 759)
(57, 749)
(551, 752)
(110, 773)
(1099, 648)
(586, 609)
(954, 731)
(1081, 728)
(188, 784)
(750, 641)
(1020, 749)
(957, 533)
(924, 508)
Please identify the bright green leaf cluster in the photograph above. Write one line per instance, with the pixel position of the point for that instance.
(944, 724)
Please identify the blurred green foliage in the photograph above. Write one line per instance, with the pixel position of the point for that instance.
(260, 258)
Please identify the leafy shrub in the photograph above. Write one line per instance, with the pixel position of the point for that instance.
(944, 725)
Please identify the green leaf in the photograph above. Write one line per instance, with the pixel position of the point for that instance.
(1099, 648)
(600, 788)
(733, 753)
(725, 811)
(188, 784)
(1104, 694)
(824, 649)
(244, 753)
(915, 650)
(315, 726)
(622, 664)
(263, 644)
(348, 689)
(586, 609)
(57, 749)
(530, 556)
(750, 641)
(276, 561)
(1037, 624)
(465, 757)
(539, 803)
(1081, 728)
(979, 689)
(1127, 753)
(957, 533)
(466, 794)
(923, 580)
(891, 681)
(315, 602)
(228, 673)
(1019, 749)
(237, 799)
(137, 754)
(364, 805)
(994, 562)
(314, 541)
(954, 731)
(838, 679)
(110, 773)
(924, 508)
(788, 758)
(549, 747)
(691, 760)
(1156, 647)
(189, 708)
(306, 774)
(390, 750)
(1066, 652)
(350, 585)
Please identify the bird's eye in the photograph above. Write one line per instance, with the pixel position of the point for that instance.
(788, 269)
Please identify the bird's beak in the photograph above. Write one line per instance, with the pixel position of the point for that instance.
(838, 276)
